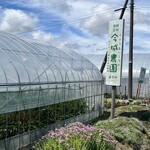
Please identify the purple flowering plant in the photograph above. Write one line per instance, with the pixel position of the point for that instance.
(76, 136)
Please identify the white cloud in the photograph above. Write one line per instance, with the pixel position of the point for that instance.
(91, 17)
(141, 27)
(142, 42)
(73, 46)
(141, 17)
(90, 45)
(50, 5)
(16, 21)
(42, 36)
(142, 22)
(97, 24)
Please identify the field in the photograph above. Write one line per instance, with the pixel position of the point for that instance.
(129, 130)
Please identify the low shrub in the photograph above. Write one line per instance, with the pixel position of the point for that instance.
(107, 95)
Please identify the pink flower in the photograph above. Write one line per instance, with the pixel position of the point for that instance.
(61, 141)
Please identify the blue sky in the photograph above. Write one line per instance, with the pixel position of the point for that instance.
(80, 25)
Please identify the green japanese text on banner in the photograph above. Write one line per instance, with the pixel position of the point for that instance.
(115, 52)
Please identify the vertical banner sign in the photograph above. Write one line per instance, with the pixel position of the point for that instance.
(114, 54)
(142, 75)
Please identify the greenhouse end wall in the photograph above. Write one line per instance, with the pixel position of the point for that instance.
(123, 89)
(43, 88)
(140, 60)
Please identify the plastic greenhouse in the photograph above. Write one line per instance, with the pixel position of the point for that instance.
(139, 60)
(41, 88)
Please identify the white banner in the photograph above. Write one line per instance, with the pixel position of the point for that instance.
(114, 54)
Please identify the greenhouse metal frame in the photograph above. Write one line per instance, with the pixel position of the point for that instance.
(43, 88)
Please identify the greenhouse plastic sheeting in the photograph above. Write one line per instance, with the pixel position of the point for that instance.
(34, 75)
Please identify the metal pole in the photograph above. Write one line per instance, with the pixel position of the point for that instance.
(123, 9)
(130, 72)
(113, 102)
(121, 16)
(104, 63)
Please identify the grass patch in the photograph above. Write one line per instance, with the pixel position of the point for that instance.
(126, 130)
(131, 126)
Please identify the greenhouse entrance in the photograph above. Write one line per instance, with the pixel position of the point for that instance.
(43, 88)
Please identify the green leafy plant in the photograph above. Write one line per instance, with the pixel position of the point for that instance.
(24, 121)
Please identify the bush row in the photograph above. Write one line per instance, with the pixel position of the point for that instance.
(15, 123)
